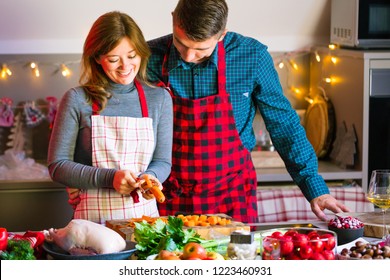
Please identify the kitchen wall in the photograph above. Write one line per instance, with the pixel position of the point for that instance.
(51, 33)
(46, 26)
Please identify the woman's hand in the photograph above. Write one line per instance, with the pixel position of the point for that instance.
(146, 193)
(74, 196)
(125, 182)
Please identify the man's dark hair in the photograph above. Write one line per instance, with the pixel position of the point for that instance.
(201, 19)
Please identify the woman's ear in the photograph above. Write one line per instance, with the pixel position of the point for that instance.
(97, 59)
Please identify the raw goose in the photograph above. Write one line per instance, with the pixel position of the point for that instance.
(83, 237)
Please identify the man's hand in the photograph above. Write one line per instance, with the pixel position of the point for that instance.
(326, 201)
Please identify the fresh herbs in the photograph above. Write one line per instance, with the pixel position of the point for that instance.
(151, 239)
(18, 250)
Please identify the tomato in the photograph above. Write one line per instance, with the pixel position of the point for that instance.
(291, 232)
(317, 256)
(328, 255)
(313, 234)
(286, 245)
(300, 240)
(3, 239)
(277, 234)
(305, 252)
(194, 250)
(316, 244)
(293, 256)
(330, 243)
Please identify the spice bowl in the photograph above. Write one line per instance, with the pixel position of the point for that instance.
(346, 235)
(346, 228)
(298, 244)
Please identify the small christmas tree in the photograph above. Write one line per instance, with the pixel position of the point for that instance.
(16, 136)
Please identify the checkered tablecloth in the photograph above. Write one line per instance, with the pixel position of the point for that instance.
(287, 203)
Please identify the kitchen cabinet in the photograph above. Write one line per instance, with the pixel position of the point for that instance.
(350, 75)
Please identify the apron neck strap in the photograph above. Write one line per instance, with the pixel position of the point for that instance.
(142, 99)
(221, 68)
(141, 96)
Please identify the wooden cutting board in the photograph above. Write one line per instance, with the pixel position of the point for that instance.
(206, 232)
(373, 223)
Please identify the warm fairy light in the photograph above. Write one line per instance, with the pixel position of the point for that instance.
(329, 80)
(309, 100)
(5, 71)
(281, 65)
(318, 57)
(332, 46)
(297, 91)
(333, 59)
(65, 70)
(293, 64)
(35, 69)
(36, 72)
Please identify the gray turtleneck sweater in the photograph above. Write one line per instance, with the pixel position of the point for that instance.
(70, 148)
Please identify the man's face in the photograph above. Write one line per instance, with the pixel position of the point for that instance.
(192, 51)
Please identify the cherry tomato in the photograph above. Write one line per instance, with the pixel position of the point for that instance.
(3, 239)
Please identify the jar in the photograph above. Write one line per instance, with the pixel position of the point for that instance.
(242, 246)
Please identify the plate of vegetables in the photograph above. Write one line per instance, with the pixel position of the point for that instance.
(170, 236)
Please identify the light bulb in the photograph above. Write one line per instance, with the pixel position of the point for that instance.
(293, 64)
(318, 57)
(65, 70)
(5, 71)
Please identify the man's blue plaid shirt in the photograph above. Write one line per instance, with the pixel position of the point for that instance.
(253, 83)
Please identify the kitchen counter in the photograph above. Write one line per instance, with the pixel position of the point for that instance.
(33, 205)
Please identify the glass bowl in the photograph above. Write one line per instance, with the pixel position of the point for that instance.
(298, 244)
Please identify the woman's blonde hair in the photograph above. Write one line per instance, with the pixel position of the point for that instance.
(105, 34)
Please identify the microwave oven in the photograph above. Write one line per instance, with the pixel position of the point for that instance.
(360, 23)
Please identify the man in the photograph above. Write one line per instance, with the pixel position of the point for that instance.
(217, 80)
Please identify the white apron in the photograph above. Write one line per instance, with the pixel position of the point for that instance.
(122, 143)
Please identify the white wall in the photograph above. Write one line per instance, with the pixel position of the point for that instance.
(49, 26)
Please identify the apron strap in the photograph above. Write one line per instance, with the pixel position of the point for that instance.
(141, 96)
(164, 71)
(142, 99)
(221, 68)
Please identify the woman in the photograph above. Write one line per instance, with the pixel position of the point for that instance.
(114, 128)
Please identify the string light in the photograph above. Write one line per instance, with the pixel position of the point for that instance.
(5, 71)
(296, 90)
(59, 68)
(281, 65)
(310, 100)
(293, 64)
(35, 69)
(328, 80)
(333, 59)
(65, 70)
(318, 57)
(332, 46)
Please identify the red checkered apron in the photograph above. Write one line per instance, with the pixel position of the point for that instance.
(212, 172)
(122, 143)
